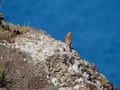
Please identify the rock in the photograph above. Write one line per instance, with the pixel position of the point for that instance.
(35, 60)
(1, 16)
(77, 87)
(55, 81)
(2, 88)
(3, 24)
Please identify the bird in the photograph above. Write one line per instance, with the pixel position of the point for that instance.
(69, 40)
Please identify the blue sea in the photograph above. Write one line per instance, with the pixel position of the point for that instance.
(95, 25)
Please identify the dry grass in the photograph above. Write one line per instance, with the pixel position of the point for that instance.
(12, 31)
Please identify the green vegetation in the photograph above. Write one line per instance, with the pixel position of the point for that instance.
(3, 79)
(9, 31)
(12, 31)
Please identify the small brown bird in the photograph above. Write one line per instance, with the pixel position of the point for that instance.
(69, 40)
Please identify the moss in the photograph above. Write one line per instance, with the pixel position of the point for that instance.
(2, 69)
(104, 82)
(3, 79)
(12, 31)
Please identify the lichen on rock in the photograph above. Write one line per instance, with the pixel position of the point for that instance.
(35, 60)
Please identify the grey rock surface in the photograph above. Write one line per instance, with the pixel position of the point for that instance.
(36, 61)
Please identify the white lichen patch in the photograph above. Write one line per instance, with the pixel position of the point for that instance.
(55, 81)
(76, 87)
(5, 43)
(66, 88)
(38, 45)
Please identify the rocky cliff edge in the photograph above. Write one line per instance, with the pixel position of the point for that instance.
(30, 59)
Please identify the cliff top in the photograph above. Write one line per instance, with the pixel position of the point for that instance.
(31, 59)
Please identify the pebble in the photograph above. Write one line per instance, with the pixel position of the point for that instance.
(1, 57)
(79, 80)
(24, 59)
(76, 87)
(55, 81)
